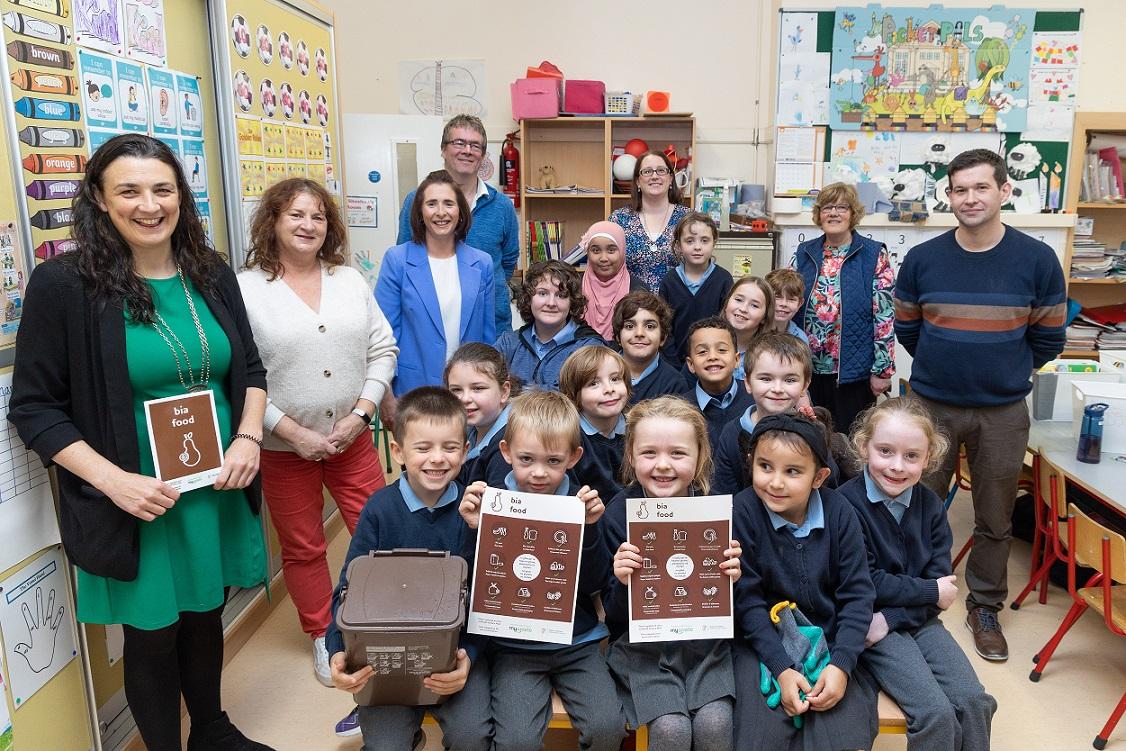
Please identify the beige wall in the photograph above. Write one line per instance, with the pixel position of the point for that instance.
(717, 57)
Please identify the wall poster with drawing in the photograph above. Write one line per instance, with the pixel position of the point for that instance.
(37, 623)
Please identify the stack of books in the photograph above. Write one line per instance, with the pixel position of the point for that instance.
(1082, 334)
(1089, 259)
(545, 241)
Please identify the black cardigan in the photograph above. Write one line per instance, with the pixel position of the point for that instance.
(71, 383)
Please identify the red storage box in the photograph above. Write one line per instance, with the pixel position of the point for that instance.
(584, 97)
(534, 98)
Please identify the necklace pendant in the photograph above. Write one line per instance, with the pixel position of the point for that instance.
(197, 387)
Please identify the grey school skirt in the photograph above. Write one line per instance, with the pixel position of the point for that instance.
(670, 677)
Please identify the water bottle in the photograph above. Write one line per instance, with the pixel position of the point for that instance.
(1091, 433)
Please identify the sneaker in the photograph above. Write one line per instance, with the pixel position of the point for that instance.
(989, 641)
(350, 725)
(320, 662)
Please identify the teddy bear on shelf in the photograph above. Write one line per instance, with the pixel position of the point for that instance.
(547, 177)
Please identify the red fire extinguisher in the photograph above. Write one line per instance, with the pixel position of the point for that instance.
(510, 157)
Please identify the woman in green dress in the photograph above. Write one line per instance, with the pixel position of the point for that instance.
(146, 309)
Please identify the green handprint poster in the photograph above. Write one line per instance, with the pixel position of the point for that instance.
(37, 622)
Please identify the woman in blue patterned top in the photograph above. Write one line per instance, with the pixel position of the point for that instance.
(653, 212)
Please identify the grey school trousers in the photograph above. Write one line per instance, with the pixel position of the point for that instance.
(929, 676)
(465, 723)
(996, 439)
(522, 683)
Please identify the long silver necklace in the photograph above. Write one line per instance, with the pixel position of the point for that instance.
(161, 326)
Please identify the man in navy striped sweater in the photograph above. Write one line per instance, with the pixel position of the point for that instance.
(979, 308)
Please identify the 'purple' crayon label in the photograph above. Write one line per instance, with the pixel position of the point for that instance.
(49, 190)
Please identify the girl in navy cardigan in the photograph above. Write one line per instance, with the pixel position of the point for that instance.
(596, 380)
(684, 690)
(801, 543)
(910, 653)
(478, 376)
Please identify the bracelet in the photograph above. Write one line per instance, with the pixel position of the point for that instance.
(249, 437)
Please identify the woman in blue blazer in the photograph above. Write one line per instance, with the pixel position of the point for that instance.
(436, 292)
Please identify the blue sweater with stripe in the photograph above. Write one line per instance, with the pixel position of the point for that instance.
(978, 323)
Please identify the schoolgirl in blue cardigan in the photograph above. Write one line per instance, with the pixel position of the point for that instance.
(802, 543)
(909, 652)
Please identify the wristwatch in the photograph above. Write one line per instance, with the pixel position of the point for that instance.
(362, 415)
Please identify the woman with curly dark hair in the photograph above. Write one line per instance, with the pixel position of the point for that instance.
(331, 357)
(145, 310)
(436, 291)
(550, 299)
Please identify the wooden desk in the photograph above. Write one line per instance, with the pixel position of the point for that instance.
(1105, 480)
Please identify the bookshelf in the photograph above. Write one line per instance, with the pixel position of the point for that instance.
(1110, 218)
(579, 148)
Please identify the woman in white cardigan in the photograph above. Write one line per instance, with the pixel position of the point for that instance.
(330, 356)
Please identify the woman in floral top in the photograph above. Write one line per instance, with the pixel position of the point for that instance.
(650, 219)
(848, 312)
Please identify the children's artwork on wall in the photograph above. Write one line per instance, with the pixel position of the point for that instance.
(240, 35)
(99, 101)
(798, 33)
(188, 105)
(1056, 49)
(265, 44)
(132, 103)
(1056, 85)
(442, 87)
(37, 624)
(97, 25)
(1049, 122)
(919, 69)
(144, 31)
(862, 156)
(803, 88)
(162, 92)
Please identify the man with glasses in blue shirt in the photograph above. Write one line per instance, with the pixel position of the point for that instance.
(495, 229)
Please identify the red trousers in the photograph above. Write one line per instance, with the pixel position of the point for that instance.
(293, 489)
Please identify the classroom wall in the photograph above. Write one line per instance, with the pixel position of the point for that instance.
(720, 65)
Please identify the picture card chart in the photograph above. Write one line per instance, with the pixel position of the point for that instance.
(12, 279)
(7, 740)
(526, 574)
(37, 622)
(680, 593)
(27, 510)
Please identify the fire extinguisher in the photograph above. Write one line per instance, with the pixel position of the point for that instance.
(510, 157)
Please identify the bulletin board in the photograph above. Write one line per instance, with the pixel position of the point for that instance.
(279, 108)
(74, 75)
(894, 93)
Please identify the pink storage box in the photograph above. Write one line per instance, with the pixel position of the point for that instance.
(534, 98)
(584, 97)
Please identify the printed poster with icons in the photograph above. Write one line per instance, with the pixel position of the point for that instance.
(280, 72)
(184, 438)
(680, 593)
(526, 575)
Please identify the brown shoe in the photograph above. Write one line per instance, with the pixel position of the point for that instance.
(988, 638)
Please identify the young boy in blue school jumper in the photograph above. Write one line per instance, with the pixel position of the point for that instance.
(910, 654)
(642, 323)
(419, 510)
(802, 543)
(711, 358)
(697, 288)
(551, 302)
(541, 443)
(778, 368)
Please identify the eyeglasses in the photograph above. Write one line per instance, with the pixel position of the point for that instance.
(837, 208)
(650, 171)
(475, 146)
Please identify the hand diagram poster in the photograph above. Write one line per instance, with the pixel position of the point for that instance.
(931, 69)
(37, 624)
(680, 592)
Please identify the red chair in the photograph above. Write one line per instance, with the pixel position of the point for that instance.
(1092, 544)
(1050, 494)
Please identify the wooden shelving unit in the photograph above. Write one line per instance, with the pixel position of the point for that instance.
(579, 149)
(1110, 218)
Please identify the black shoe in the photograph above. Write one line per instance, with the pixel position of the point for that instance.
(221, 735)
